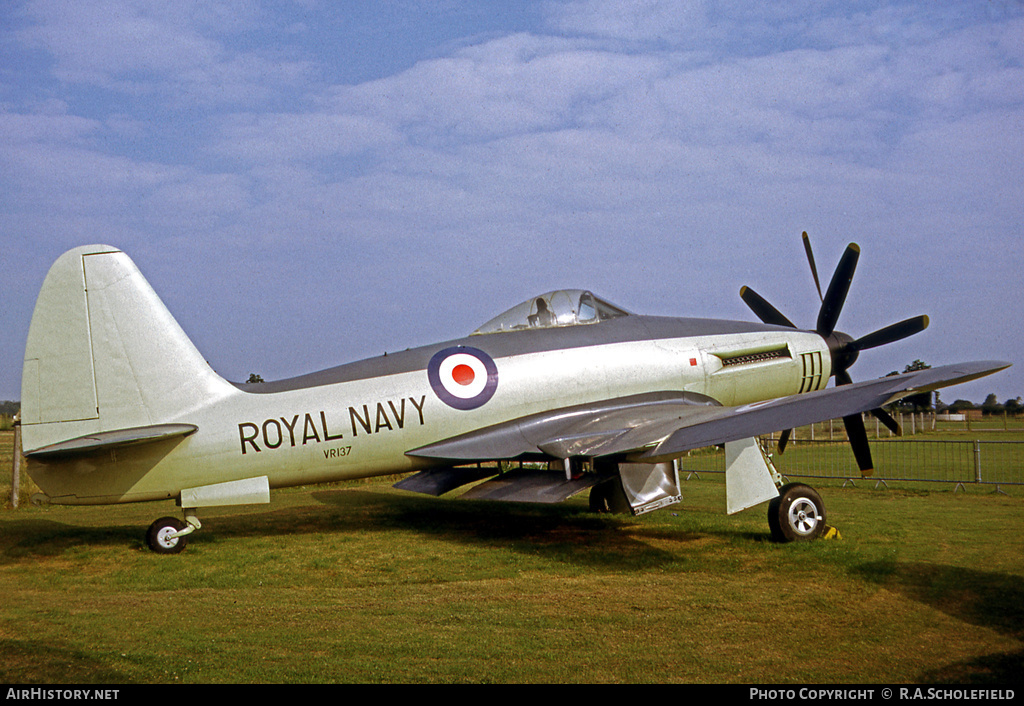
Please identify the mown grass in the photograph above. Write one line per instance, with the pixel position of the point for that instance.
(361, 583)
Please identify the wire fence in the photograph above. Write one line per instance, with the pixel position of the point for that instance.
(959, 462)
(916, 423)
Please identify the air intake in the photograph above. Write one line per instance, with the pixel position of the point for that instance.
(748, 357)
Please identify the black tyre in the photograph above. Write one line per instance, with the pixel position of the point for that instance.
(158, 536)
(797, 514)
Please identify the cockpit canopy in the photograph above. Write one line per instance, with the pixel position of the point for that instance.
(564, 307)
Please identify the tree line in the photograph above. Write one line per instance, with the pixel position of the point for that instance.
(926, 401)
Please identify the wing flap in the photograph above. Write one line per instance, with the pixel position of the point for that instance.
(530, 486)
(438, 481)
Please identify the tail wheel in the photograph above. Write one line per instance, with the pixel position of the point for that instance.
(159, 538)
(797, 514)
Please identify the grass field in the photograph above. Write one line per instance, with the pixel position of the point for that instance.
(360, 583)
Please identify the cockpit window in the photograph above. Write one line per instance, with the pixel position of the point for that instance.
(565, 307)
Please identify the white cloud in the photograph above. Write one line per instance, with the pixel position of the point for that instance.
(176, 50)
(638, 144)
(20, 128)
(635, 20)
(302, 136)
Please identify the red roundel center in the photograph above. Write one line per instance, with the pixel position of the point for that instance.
(463, 374)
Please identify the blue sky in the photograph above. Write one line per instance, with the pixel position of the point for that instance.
(307, 183)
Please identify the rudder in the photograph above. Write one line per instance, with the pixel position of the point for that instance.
(104, 353)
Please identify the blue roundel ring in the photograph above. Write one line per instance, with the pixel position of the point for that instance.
(463, 377)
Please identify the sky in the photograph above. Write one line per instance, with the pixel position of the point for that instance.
(311, 182)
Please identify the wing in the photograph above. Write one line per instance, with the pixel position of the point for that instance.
(661, 426)
(600, 429)
(799, 410)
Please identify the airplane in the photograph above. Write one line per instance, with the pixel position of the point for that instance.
(580, 395)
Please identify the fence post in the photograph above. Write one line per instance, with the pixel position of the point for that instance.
(16, 470)
(977, 461)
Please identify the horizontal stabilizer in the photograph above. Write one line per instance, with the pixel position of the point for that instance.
(104, 440)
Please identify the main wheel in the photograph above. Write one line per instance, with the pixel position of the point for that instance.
(159, 539)
(797, 514)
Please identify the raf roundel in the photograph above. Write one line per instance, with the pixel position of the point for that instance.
(462, 377)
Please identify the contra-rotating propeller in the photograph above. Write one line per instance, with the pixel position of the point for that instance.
(844, 349)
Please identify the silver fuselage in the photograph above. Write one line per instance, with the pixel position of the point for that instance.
(361, 419)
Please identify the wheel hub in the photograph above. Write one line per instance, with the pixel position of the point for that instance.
(803, 517)
(164, 536)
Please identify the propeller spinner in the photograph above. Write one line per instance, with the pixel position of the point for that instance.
(844, 348)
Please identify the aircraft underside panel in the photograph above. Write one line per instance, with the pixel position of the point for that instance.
(249, 491)
(531, 486)
(438, 481)
(650, 486)
(644, 486)
(518, 485)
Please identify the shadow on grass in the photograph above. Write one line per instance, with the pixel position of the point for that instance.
(52, 538)
(983, 598)
(563, 531)
(28, 662)
(997, 669)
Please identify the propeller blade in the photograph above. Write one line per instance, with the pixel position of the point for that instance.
(859, 441)
(784, 440)
(886, 419)
(838, 288)
(892, 333)
(765, 311)
(858, 434)
(810, 259)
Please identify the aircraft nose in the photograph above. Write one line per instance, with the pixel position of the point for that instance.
(843, 354)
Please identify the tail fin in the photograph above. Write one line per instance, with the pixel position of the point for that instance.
(104, 354)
